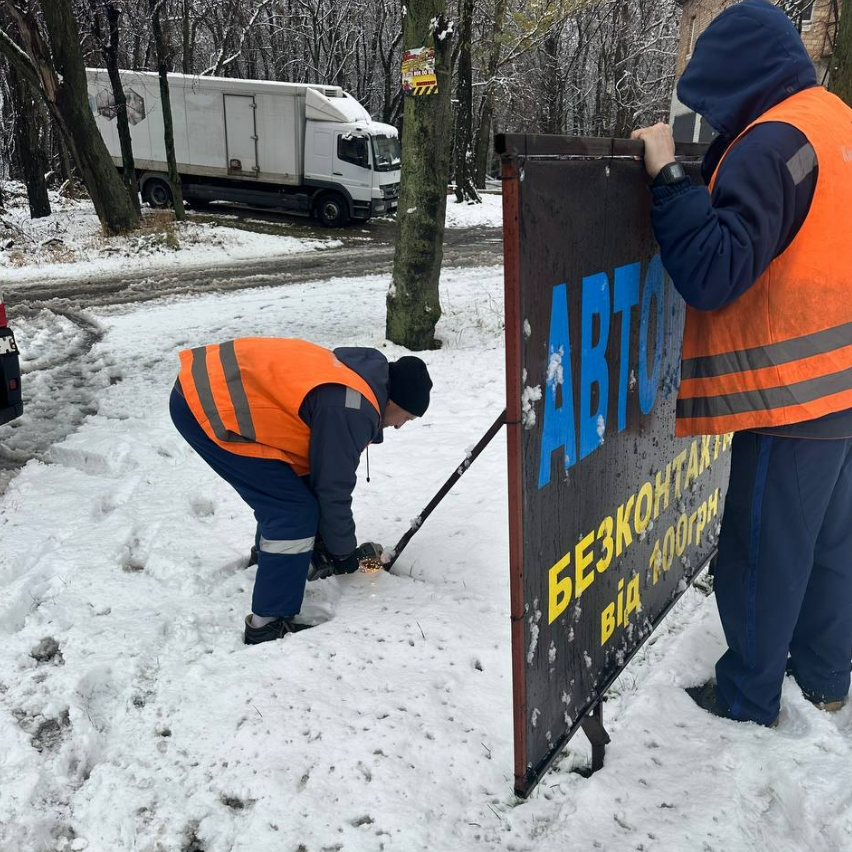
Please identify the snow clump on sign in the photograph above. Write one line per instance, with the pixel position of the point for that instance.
(530, 396)
(534, 631)
(554, 368)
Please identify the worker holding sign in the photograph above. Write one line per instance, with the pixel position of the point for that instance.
(764, 262)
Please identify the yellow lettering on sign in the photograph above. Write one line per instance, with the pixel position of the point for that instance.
(582, 560)
(622, 529)
(668, 548)
(559, 589)
(677, 464)
(692, 465)
(644, 505)
(661, 491)
(713, 503)
(705, 453)
(701, 522)
(607, 623)
(605, 535)
(680, 544)
(656, 561)
(633, 602)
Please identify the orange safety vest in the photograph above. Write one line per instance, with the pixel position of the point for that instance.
(782, 352)
(246, 394)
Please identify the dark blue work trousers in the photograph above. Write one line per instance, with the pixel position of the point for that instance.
(286, 510)
(784, 575)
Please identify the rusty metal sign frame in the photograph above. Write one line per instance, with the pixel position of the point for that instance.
(515, 150)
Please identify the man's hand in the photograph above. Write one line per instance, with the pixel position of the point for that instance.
(324, 564)
(345, 564)
(659, 147)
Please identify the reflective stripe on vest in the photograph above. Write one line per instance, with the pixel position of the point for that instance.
(231, 368)
(781, 353)
(766, 399)
(773, 354)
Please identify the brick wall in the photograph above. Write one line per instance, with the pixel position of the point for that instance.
(697, 14)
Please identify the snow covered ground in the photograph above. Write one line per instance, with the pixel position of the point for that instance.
(133, 718)
(69, 243)
(488, 214)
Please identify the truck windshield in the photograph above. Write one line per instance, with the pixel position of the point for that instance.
(386, 153)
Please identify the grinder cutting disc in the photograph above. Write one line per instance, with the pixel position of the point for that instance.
(369, 557)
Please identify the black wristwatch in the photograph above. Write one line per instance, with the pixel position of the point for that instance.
(669, 174)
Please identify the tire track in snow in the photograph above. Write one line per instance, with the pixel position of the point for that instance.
(59, 381)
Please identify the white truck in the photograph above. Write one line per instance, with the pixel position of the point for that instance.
(310, 149)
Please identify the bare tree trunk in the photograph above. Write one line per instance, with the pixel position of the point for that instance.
(168, 124)
(59, 75)
(29, 146)
(109, 47)
(483, 137)
(186, 39)
(840, 80)
(63, 155)
(552, 93)
(413, 304)
(465, 188)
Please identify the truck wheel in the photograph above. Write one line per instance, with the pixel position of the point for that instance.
(332, 210)
(158, 193)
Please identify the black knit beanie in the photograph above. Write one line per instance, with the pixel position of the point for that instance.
(410, 385)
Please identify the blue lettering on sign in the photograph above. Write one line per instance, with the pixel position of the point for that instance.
(648, 382)
(560, 430)
(557, 431)
(593, 368)
(626, 297)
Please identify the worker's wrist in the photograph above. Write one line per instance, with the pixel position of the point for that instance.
(666, 191)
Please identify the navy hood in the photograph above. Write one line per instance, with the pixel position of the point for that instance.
(748, 60)
(373, 368)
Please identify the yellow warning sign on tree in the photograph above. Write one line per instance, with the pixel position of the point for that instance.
(418, 71)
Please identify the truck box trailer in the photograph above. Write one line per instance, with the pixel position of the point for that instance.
(300, 147)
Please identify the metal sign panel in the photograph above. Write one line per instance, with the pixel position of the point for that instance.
(611, 517)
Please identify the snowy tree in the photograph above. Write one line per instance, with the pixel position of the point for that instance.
(413, 305)
(840, 81)
(51, 62)
(104, 21)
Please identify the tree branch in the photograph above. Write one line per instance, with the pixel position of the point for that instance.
(18, 57)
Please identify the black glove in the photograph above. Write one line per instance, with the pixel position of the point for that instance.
(345, 564)
(325, 564)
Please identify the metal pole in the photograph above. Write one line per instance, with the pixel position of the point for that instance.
(457, 474)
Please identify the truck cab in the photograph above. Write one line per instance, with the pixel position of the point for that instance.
(346, 150)
(10, 371)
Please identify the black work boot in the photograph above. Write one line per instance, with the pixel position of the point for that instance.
(274, 630)
(821, 702)
(706, 697)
